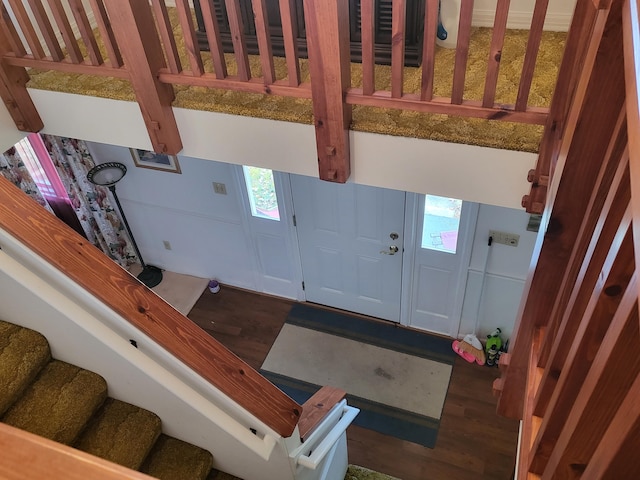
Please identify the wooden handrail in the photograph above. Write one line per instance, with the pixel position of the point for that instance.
(317, 407)
(69, 252)
(25, 456)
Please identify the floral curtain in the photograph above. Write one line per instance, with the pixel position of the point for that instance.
(91, 202)
(13, 169)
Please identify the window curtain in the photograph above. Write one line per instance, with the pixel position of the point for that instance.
(92, 203)
(13, 169)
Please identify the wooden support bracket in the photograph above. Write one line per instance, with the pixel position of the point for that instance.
(135, 31)
(14, 94)
(329, 62)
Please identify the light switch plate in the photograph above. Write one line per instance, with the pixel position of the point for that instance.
(505, 238)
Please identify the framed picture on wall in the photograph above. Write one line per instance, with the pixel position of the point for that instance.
(156, 161)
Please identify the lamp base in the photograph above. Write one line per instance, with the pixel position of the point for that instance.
(150, 276)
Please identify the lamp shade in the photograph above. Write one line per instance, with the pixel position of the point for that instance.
(107, 174)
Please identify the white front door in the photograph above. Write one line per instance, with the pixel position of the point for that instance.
(444, 228)
(350, 238)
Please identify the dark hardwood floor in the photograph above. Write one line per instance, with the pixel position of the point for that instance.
(473, 442)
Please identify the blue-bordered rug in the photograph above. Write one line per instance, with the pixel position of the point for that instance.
(397, 377)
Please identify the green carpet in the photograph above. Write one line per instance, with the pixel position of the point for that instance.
(506, 135)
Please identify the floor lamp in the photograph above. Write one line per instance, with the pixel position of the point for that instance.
(107, 175)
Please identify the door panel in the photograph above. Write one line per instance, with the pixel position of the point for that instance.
(342, 230)
(440, 260)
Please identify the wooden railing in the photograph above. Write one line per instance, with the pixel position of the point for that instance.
(573, 371)
(138, 41)
(25, 456)
(86, 265)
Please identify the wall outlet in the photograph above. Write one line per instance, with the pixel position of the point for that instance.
(505, 238)
(166, 244)
(220, 188)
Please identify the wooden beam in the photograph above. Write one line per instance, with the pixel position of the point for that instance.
(14, 94)
(135, 31)
(327, 26)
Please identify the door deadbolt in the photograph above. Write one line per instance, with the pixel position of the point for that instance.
(393, 236)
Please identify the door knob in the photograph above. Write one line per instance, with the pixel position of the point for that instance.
(392, 250)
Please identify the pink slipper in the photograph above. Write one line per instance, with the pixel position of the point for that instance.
(467, 356)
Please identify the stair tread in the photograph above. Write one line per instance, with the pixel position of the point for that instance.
(121, 433)
(173, 459)
(23, 353)
(59, 403)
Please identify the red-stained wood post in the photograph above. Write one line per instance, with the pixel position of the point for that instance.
(139, 42)
(327, 25)
(14, 93)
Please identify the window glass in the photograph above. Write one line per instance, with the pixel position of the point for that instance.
(262, 193)
(441, 223)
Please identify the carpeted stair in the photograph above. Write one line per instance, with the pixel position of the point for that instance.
(71, 405)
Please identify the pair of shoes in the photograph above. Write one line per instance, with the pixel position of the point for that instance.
(457, 348)
(470, 349)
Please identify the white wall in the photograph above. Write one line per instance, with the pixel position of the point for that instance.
(559, 14)
(485, 175)
(506, 271)
(204, 229)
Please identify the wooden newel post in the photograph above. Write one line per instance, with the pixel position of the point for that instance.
(135, 31)
(14, 93)
(327, 25)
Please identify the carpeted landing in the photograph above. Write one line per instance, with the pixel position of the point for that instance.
(70, 405)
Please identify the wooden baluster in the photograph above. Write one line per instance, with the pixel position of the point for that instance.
(135, 31)
(27, 28)
(86, 32)
(398, 22)
(600, 204)
(617, 452)
(592, 325)
(429, 49)
(327, 26)
(264, 41)
(13, 89)
(289, 34)
(189, 37)
(596, 399)
(367, 28)
(12, 36)
(73, 49)
(104, 25)
(462, 51)
(47, 31)
(587, 128)
(533, 45)
(495, 53)
(237, 36)
(213, 38)
(166, 34)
